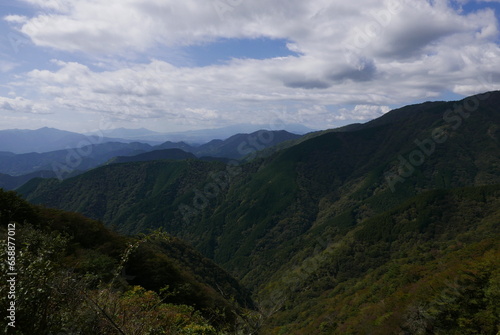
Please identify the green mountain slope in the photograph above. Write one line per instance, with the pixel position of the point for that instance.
(79, 271)
(121, 194)
(240, 145)
(153, 155)
(344, 176)
(8, 182)
(266, 218)
(427, 266)
(341, 177)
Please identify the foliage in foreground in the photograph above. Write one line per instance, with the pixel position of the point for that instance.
(65, 287)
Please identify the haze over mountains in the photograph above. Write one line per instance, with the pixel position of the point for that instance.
(45, 139)
(198, 137)
(87, 155)
(20, 141)
(355, 230)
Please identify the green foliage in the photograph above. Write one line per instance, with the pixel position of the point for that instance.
(139, 311)
(429, 266)
(74, 275)
(44, 289)
(325, 240)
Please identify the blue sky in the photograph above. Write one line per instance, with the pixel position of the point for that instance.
(179, 65)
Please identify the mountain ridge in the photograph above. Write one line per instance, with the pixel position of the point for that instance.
(66, 162)
(322, 206)
(173, 154)
(25, 141)
(68, 265)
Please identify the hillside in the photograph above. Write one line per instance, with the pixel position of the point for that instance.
(240, 145)
(363, 199)
(8, 182)
(236, 146)
(90, 278)
(120, 194)
(153, 155)
(427, 266)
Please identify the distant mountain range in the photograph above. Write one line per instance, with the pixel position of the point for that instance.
(69, 160)
(20, 141)
(72, 161)
(8, 182)
(196, 137)
(127, 133)
(45, 139)
(203, 136)
(388, 227)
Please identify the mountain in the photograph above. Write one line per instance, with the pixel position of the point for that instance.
(6, 154)
(75, 274)
(234, 147)
(194, 137)
(240, 145)
(65, 162)
(428, 266)
(72, 161)
(8, 182)
(131, 134)
(115, 191)
(197, 137)
(386, 227)
(45, 139)
(154, 155)
(175, 145)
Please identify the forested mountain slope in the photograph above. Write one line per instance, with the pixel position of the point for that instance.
(429, 266)
(342, 194)
(75, 275)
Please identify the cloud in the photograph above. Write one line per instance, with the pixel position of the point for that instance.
(362, 112)
(6, 66)
(21, 105)
(365, 70)
(417, 27)
(462, 2)
(307, 84)
(314, 26)
(368, 54)
(19, 19)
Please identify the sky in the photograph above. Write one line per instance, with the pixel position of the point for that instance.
(170, 65)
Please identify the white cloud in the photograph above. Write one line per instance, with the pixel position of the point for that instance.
(314, 27)
(6, 66)
(362, 112)
(21, 105)
(369, 54)
(19, 19)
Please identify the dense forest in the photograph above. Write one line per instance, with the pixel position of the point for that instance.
(388, 227)
(77, 277)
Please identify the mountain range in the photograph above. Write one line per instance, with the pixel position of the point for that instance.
(387, 227)
(21, 141)
(201, 136)
(8, 182)
(72, 161)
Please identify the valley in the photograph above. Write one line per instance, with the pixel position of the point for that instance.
(386, 227)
